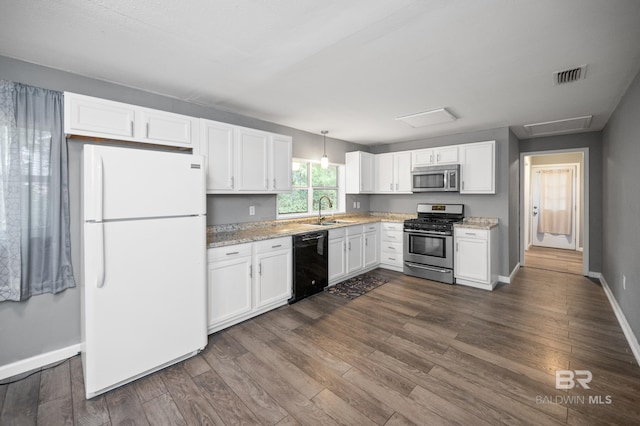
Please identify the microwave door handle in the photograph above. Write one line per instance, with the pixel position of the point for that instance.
(446, 180)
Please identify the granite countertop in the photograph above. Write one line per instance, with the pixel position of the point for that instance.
(225, 235)
(477, 223)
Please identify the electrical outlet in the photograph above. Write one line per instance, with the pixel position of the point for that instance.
(624, 282)
(358, 205)
(252, 210)
(354, 204)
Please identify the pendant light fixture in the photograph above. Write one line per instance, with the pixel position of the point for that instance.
(324, 161)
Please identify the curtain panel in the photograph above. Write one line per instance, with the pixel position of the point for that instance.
(556, 193)
(35, 247)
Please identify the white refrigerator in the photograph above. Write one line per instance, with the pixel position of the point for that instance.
(143, 284)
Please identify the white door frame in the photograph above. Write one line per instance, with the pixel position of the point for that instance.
(584, 194)
(575, 202)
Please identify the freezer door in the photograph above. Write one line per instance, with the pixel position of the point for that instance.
(150, 307)
(125, 183)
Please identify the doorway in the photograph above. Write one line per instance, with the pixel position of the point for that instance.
(554, 210)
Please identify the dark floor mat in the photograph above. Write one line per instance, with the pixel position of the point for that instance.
(357, 286)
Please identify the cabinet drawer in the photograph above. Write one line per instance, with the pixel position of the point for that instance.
(370, 227)
(392, 236)
(337, 233)
(392, 226)
(391, 248)
(391, 258)
(354, 230)
(229, 252)
(273, 244)
(479, 234)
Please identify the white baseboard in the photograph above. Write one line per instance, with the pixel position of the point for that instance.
(626, 328)
(38, 361)
(509, 279)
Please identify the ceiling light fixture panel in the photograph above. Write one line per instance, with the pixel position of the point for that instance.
(428, 118)
(559, 126)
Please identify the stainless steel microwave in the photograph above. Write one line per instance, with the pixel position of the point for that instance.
(436, 178)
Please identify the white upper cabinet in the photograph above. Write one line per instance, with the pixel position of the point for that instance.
(478, 168)
(241, 160)
(87, 116)
(393, 172)
(167, 128)
(359, 172)
(252, 160)
(281, 152)
(435, 156)
(384, 173)
(95, 117)
(218, 138)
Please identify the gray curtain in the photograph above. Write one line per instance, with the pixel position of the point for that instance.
(35, 251)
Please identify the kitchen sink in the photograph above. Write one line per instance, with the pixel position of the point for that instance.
(331, 222)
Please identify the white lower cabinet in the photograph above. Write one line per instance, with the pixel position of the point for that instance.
(337, 254)
(245, 280)
(371, 245)
(391, 249)
(272, 263)
(476, 257)
(355, 255)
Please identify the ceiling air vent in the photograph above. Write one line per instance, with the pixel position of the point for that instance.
(570, 75)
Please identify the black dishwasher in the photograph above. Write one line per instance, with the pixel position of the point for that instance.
(310, 264)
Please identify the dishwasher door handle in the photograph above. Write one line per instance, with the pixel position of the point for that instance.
(313, 238)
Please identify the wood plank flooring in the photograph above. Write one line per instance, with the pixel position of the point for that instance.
(411, 352)
(552, 259)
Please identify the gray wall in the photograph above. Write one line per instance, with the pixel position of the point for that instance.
(491, 205)
(621, 195)
(593, 141)
(47, 322)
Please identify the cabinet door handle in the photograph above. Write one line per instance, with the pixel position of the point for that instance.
(462, 184)
(231, 253)
(250, 271)
(274, 184)
(457, 246)
(366, 242)
(147, 130)
(438, 159)
(132, 128)
(266, 183)
(392, 258)
(349, 245)
(470, 233)
(231, 182)
(260, 268)
(396, 186)
(391, 186)
(276, 246)
(431, 158)
(392, 248)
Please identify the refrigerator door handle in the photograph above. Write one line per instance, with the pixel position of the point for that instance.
(100, 269)
(99, 194)
(99, 187)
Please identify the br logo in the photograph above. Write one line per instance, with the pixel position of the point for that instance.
(566, 379)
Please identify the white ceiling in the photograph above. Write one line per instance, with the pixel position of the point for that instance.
(348, 66)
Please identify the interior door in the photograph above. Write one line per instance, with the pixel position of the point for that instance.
(557, 192)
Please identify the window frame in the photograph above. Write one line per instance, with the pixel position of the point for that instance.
(341, 197)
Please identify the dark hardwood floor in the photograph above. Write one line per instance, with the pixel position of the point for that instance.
(553, 259)
(409, 352)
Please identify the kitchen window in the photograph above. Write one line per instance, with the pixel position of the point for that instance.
(310, 182)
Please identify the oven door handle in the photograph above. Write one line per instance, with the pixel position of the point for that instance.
(428, 268)
(417, 231)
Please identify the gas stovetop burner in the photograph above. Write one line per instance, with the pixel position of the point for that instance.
(436, 217)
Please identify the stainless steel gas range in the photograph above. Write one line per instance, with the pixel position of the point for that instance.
(428, 241)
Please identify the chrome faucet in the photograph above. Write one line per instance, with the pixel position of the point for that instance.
(320, 218)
